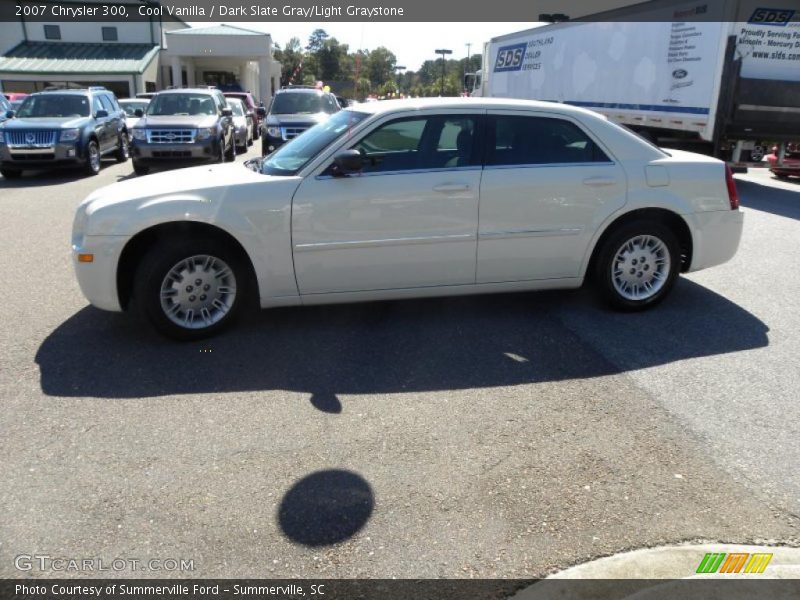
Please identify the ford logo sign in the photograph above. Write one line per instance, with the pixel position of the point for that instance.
(170, 136)
(679, 73)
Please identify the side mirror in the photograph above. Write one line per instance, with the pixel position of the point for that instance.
(348, 161)
(10, 114)
(261, 112)
(138, 112)
(101, 114)
(227, 112)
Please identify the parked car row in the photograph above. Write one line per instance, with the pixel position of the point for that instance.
(78, 127)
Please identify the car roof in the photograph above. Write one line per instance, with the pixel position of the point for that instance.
(385, 106)
(133, 99)
(300, 90)
(208, 91)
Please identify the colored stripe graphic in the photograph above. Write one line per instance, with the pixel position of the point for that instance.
(711, 562)
(734, 562)
(757, 563)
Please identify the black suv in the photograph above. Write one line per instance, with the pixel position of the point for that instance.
(293, 110)
(63, 127)
(183, 125)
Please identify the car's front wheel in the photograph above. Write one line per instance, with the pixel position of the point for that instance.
(191, 289)
(230, 153)
(139, 168)
(123, 149)
(637, 265)
(92, 165)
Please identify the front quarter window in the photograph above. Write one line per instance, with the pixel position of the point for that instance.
(292, 156)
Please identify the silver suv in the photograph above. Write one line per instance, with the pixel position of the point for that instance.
(182, 126)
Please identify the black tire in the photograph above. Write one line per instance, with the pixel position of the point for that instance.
(605, 263)
(140, 169)
(153, 270)
(230, 153)
(781, 176)
(123, 149)
(220, 158)
(263, 146)
(10, 173)
(256, 132)
(92, 167)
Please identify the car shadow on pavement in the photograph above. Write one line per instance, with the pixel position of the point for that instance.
(395, 347)
(48, 177)
(778, 201)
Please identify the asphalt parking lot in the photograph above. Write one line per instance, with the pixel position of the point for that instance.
(498, 436)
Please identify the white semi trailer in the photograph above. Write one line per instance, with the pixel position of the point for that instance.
(721, 76)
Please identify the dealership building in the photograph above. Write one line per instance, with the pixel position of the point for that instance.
(134, 56)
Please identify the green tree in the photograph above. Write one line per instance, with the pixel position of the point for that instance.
(316, 39)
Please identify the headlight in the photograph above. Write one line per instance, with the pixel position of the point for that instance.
(205, 133)
(70, 135)
(139, 133)
(274, 131)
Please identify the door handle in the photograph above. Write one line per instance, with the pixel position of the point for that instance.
(599, 181)
(451, 187)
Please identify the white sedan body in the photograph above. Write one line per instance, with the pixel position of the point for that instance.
(455, 229)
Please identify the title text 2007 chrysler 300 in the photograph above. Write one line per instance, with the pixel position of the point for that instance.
(406, 199)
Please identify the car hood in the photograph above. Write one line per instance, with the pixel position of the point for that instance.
(196, 193)
(193, 121)
(302, 119)
(45, 123)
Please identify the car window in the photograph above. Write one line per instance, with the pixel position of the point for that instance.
(96, 104)
(518, 140)
(236, 107)
(182, 104)
(296, 103)
(107, 104)
(55, 105)
(4, 104)
(331, 105)
(292, 156)
(435, 142)
(131, 107)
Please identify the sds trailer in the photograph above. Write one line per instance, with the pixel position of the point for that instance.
(720, 77)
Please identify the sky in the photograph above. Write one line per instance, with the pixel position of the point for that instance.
(412, 43)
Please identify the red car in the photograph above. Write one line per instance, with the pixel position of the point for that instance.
(15, 98)
(791, 162)
(252, 109)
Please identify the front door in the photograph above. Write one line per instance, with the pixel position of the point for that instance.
(408, 220)
(547, 185)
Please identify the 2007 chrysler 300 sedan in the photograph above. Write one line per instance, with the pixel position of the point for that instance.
(405, 199)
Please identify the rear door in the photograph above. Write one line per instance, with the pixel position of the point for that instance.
(547, 185)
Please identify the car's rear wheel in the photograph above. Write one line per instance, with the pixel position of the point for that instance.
(92, 166)
(190, 289)
(123, 149)
(140, 169)
(637, 265)
(11, 173)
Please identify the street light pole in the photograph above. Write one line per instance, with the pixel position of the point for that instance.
(443, 52)
(466, 66)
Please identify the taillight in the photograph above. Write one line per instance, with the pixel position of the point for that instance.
(733, 196)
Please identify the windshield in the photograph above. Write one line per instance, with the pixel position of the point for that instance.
(298, 104)
(182, 104)
(236, 107)
(130, 108)
(290, 158)
(54, 106)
